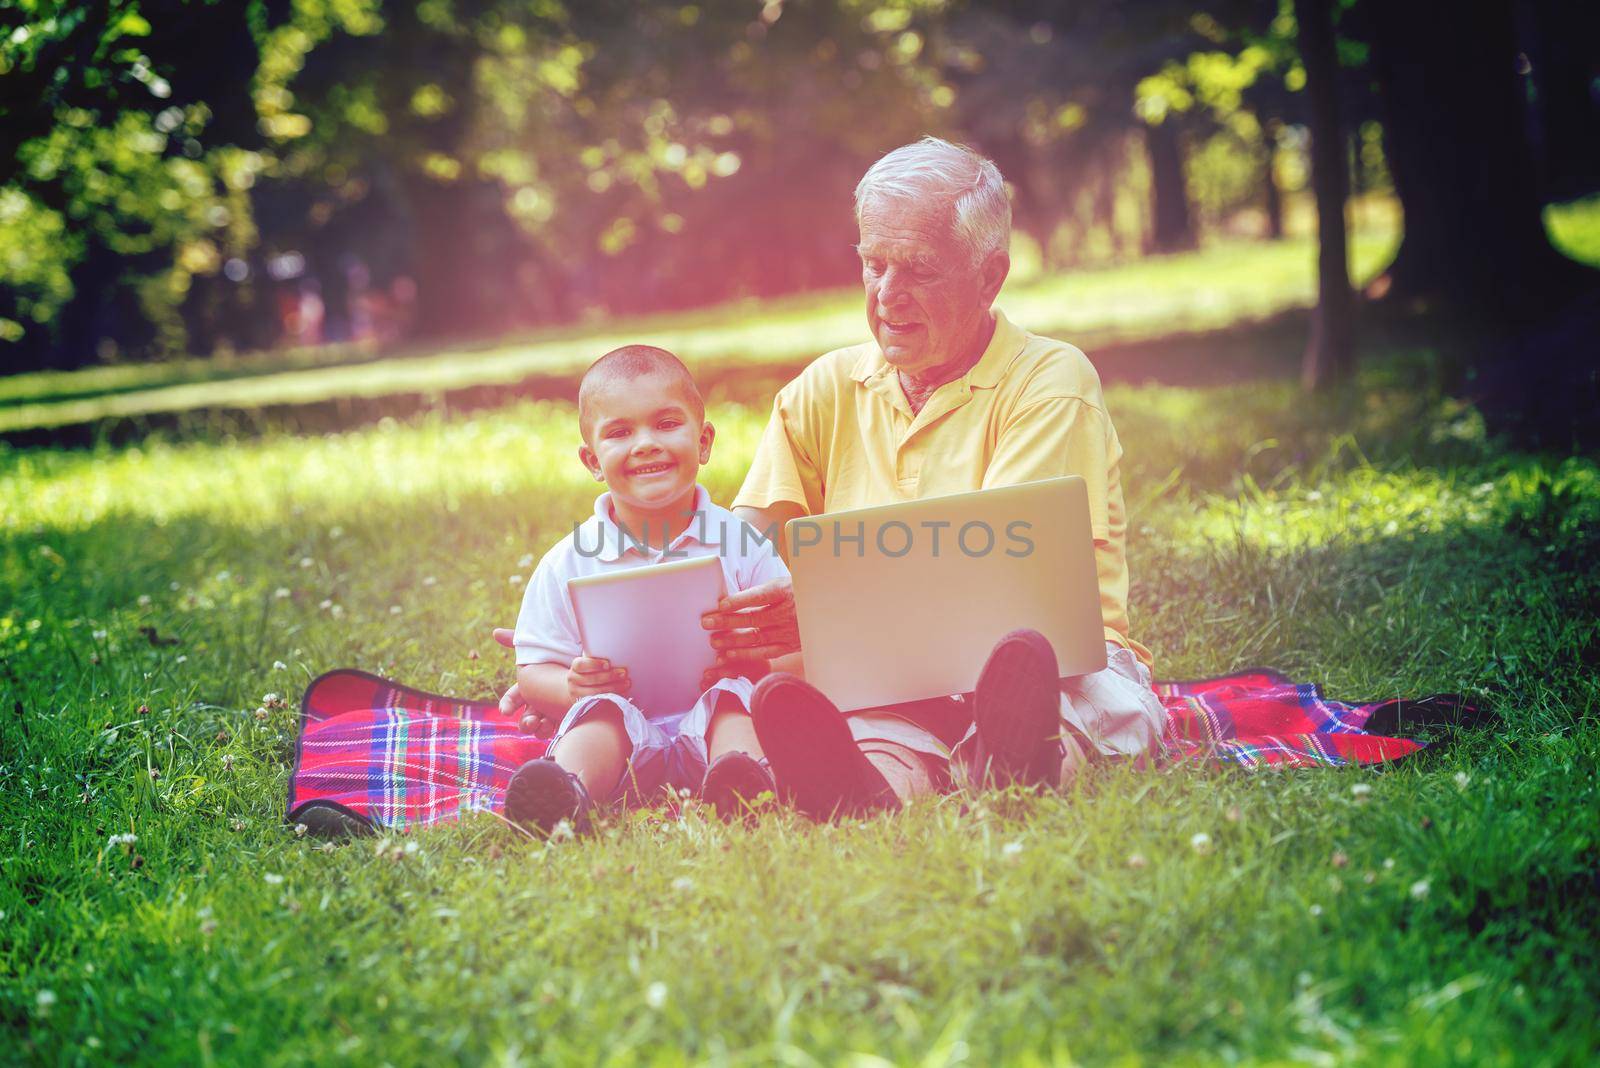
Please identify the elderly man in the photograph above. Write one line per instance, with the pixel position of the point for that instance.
(949, 396)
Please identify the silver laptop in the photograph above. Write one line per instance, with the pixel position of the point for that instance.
(902, 602)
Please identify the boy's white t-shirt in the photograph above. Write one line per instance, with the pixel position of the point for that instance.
(547, 628)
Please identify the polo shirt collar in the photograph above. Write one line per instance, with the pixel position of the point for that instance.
(705, 528)
(1004, 345)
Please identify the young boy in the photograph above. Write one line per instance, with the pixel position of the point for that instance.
(645, 436)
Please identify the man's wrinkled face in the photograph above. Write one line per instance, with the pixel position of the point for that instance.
(927, 302)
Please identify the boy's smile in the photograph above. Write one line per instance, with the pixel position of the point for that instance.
(645, 440)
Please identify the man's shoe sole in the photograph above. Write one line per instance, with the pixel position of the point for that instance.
(814, 757)
(1017, 712)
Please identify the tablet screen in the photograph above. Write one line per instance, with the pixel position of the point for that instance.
(647, 619)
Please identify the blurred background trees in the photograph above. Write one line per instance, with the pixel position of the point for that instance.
(195, 177)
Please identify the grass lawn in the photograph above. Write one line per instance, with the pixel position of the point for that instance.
(1377, 543)
(1228, 283)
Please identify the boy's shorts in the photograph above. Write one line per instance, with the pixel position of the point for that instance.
(669, 752)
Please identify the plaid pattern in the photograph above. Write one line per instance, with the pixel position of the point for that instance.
(1258, 718)
(402, 758)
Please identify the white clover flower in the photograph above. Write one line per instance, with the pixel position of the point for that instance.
(1420, 888)
(173, 586)
(327, 603)
(1136, 860)
(1011, 849)
(227, 761)
(336, 533)
(306, 561)
(1200, 842)
(430, 581)
(411, 846)
(271, 699)
(208, 927)
(1388, 863)
(144, 600)
(683, 883)
(98, 635)
(1462, 779)
(281, 593)
(1360, 790)
(301, 830)
(395, 610)
(121, 840)
(272, 878)
(224, 576)
(514, 580)
(655, 995)
(43, 1001)
(279, 665)
(1315, 910)
(526, 561)
(180, 659)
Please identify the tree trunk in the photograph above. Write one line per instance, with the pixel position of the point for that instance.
(1171, 221)
(1273, 196)
(1328, 356)
(1475, 246)
(464, 280)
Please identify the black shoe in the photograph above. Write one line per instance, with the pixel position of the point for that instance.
(814, 758)
(329, 820)
(733, 782)
(1016, 709)
(542, 793)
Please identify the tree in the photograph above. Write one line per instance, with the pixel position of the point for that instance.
(1455, 105)
(1328, 357)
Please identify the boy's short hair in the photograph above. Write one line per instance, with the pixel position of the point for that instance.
(636, 361)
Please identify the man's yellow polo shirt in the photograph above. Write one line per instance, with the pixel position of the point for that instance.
(842, 435)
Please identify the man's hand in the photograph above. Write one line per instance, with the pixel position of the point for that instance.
(590, 675)
(755, 624)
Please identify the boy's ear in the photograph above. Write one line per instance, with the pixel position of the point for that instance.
(591, 461)
(708, 434)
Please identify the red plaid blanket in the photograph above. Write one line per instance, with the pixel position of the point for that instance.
(399, 757)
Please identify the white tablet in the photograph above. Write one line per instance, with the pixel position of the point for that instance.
(647, 619)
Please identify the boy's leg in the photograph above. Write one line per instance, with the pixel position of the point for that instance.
(736, 771)
(596, 750)
(731, 730)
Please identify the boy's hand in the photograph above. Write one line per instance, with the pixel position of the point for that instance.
(733, 667)
(590, 675)
(539, 724)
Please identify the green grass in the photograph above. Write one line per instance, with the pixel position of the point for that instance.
(1228, 283)
(1376, 543)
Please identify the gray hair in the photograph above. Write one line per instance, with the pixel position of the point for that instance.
(981, 210)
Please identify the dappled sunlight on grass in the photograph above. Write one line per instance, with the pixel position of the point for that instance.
(524, 454)
(1228, 283)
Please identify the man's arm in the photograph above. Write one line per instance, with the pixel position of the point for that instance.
(769, 521)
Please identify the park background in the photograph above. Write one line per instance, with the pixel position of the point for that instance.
(293, 297)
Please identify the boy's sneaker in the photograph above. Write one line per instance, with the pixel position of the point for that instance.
(1016, 709)
(734, 781)
(542, 793)
(813, 756)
